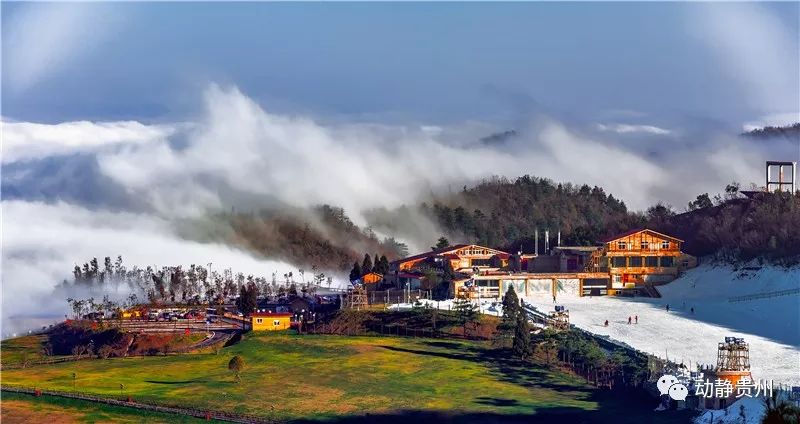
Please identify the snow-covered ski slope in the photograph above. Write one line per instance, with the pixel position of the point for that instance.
(770, 325)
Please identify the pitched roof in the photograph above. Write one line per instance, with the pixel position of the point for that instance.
(445, 251)
(434, 252)
(638, 230)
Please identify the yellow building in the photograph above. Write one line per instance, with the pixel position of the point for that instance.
(269, 321)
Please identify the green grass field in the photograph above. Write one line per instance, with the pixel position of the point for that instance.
(20, 408)
(291, 377)
(13, 351)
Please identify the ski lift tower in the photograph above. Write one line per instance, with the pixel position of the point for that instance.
(733, 360)
(733, 364)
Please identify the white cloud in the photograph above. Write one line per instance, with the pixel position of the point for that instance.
(357, 166)
(755, 48)
(41, 38)
(630, 128)
(42, 242)
(25, 140)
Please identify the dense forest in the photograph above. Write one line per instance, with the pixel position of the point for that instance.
(731, 225)
(505, 214)
(325, 239)
(766, 227)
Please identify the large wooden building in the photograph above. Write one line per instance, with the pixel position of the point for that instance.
(643, 256)
(460, 258)
(629, 263)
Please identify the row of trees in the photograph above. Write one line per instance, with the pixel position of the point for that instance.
(195, 284)
(379, 265)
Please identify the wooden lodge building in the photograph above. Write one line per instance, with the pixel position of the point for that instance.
(626, 264)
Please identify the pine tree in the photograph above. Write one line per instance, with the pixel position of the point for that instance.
(355, 273)
(376, 265)
(466, 312)
(366, 266)
(384, 264)
(522, 337)
(441, 243)
(508, 324)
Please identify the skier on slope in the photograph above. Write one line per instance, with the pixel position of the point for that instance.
(636, 318)
(629, 320)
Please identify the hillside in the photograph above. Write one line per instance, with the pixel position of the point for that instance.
(292, 378)
(770, 325)
(505, 214)
(766, 226)
(322, 238)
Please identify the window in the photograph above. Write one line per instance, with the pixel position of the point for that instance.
(481, 262)
(621, 245)
(487, 283)
(665, 244)
(259, 320)
(651, 261)
(667, 261)
(276, 323)
(618, 262)
(635, 261)
(645, 245)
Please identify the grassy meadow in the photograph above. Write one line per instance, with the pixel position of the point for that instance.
(17, 350)
(293, 378)
(21, 408)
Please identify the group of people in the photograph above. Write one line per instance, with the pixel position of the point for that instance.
(631, 320)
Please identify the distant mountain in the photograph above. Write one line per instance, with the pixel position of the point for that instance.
(499, 138)
(788, 131)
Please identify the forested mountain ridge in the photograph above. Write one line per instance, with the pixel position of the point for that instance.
(505, 214)
(788, 131)
(325, 238)
(500, 212)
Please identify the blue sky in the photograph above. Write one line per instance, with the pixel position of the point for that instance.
(430, 62)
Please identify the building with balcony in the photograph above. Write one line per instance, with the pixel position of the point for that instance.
(642, 256)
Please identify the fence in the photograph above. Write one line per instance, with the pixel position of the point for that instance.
(20, 365)
(387, 297)
(766, 295)
(163, 408)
